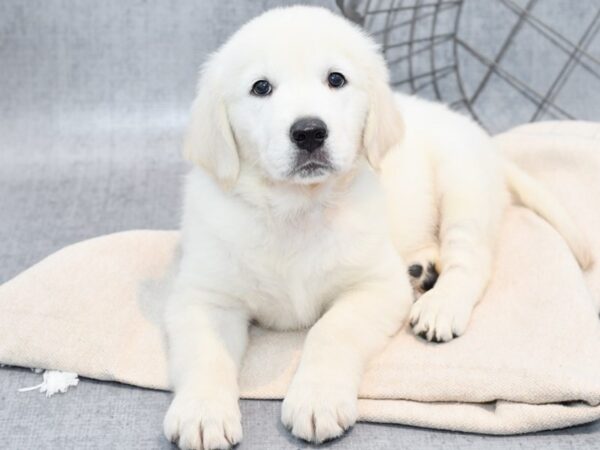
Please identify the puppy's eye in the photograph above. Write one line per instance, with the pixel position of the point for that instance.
(261, 88)
(336, 80)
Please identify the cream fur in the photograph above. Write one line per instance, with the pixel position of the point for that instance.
(292, 252)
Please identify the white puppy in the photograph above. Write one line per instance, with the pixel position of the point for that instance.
(287, 224)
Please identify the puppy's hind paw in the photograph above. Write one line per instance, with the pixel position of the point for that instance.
(423, 268)
(422, 278)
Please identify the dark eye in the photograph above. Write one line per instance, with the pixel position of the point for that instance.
(336, 80)
(262, 88)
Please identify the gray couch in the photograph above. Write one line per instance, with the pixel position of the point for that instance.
(93, 100)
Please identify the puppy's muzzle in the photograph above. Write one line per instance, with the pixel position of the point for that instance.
(312, 159)
(308, 133)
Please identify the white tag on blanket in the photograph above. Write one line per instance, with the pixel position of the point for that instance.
(54, 381)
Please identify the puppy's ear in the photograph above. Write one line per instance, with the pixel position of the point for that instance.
(209, 141)
(384, 127)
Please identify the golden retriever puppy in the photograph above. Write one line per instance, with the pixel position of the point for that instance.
(312, 184)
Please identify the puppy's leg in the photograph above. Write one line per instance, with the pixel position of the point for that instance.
(207, 338)
(471, 207)
(322, 398)
(412, 211)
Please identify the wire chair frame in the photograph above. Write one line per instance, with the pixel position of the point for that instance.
(423, 46)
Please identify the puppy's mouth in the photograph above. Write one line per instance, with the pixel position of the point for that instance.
(312, 169)
(312, 165)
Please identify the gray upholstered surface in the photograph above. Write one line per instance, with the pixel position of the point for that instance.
(113, 416)
(93, 98)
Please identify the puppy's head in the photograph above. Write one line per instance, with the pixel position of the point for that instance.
(299, 94)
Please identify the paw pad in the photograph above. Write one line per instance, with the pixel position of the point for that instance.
(423, 280)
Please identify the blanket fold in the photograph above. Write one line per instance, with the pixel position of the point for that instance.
(529, 361)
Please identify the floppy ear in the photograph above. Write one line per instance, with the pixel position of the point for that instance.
(384, 127)
(209, 141)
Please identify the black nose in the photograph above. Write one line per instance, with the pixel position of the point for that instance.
(308, 133)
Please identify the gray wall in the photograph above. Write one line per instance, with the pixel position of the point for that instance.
(77, 66)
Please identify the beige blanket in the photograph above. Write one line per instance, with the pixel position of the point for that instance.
(529, 361)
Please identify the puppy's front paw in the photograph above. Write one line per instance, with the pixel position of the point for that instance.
(317, 412)
(203, 423)
(438, 317)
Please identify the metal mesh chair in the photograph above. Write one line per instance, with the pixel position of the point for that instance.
(502, 61)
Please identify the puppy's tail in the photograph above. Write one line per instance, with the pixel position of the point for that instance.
(530, 193)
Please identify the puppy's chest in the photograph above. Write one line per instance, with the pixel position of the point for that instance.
(291, 272)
